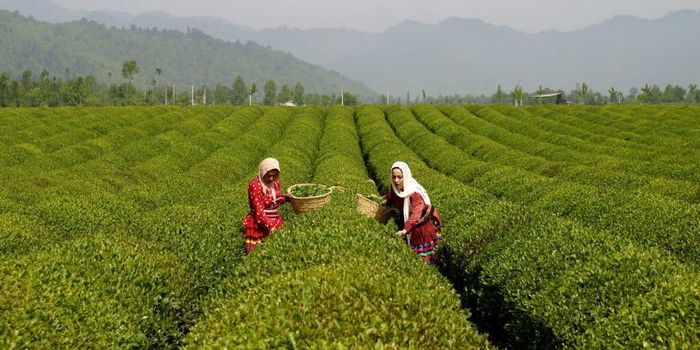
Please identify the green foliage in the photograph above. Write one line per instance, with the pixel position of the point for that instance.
(315, 285)
(239, 92)
(309, 190)
(531, 277)
(284, 94)
(298, 94)
(129, 69)
(518, 95)
(376, 199)
(82, 48)
(565, 227)
(270, 90)
(498, 96)
(348, 99)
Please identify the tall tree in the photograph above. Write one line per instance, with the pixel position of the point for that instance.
(129, 69)
(298, 94)
(285, 94)
(270, 90)
(518, 95)
(583, 93)
(46, 89)
(76, 91)
(650, 94)
(240, 92)
(693, 93)
(614, 95)
(4, 90)
(646, 92)
(27, 94)
(498, 96)
(673, 94)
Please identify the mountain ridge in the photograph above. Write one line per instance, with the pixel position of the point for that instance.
(461, 55)
(88, 48)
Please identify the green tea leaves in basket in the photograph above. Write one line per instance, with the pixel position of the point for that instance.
(309, 190)
(376, 199)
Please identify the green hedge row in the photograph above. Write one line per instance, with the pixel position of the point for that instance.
(104, 194)
(138, 286)
(648, 219)
(333, 279)
(672, 120)
(656, 138)
(647, 161)
(35, 125)
(548, 282)
(572, 165)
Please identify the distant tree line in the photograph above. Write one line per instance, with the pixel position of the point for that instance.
(46, 90)
(52, 91)
(582, 94)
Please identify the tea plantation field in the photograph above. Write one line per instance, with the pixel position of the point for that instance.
(566, 227)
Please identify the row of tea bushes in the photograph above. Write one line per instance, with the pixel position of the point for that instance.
(671, 121)
(655, 138)
(140, 287)
(568, 164)
(546, 281)
(334, 279)
(648, 219)
(98, 195)
(646, 160)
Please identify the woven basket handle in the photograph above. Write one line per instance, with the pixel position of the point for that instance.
(337, 188)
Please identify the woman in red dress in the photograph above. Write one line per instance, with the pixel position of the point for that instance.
(420, 222)
(264, 199)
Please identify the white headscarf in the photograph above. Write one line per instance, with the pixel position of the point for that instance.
(266, 165)
(410, 186)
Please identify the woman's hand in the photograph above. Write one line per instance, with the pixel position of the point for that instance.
(400, 233)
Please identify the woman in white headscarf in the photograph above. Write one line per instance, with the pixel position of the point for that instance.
(419, 221)
(264, 199)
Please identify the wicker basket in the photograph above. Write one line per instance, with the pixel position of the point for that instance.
(304, 204)
(371, 209)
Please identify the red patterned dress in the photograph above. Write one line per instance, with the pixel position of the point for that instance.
(263, 216)
(423, 227)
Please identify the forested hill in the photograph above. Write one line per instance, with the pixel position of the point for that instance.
(87, 48)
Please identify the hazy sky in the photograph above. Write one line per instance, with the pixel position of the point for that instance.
(377, 15)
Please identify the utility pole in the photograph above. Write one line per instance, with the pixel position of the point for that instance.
(342, 98)
(204, 97)
(166, 95)
(192, 96)
(387, 97)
